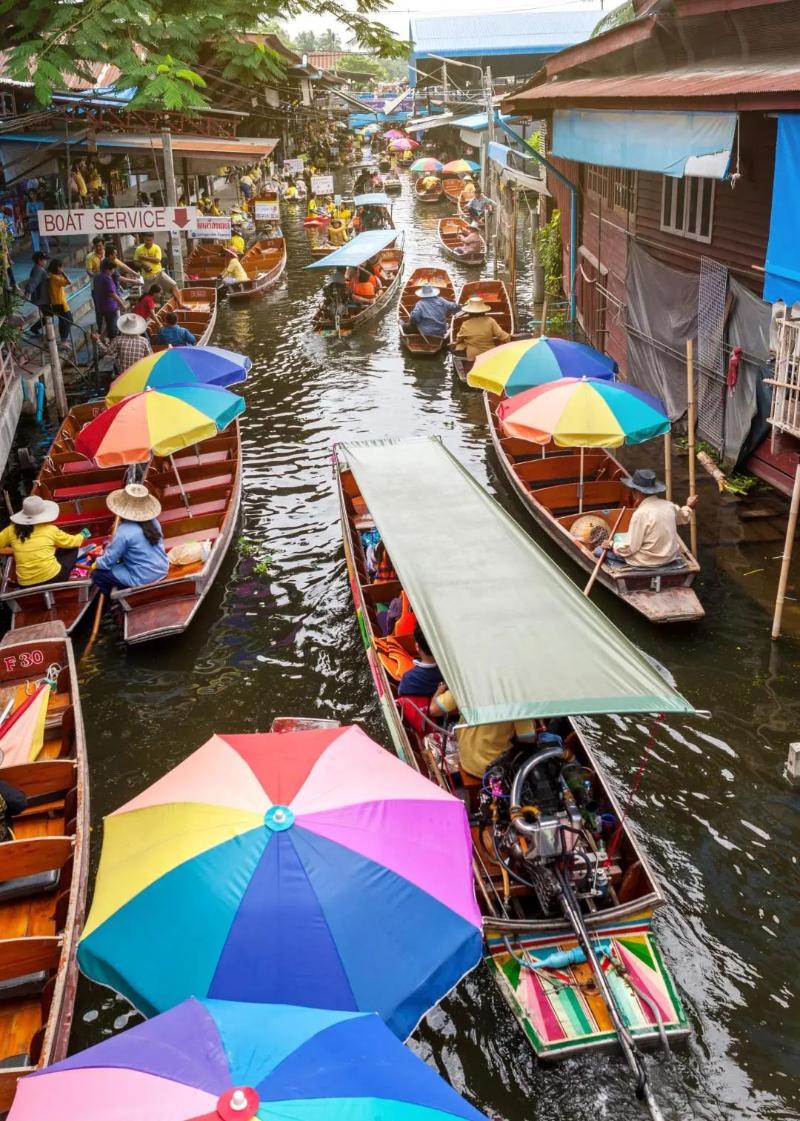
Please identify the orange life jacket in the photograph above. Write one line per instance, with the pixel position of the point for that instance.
(363, 288)
(407, 620)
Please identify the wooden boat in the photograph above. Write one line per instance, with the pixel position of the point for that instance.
(450, 231)
(392, 183)
(200, 318)
(80, 488)
(495, 294)
(44, 869)
(264, 263)
(391, 262)
(205, 264)
(210, 477)
(548, 482)
(560, 1013)
(434, 194)
(417, 344)
(452, 187)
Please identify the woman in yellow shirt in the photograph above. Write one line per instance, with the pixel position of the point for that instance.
(237, 242)
(43, 553)
(59, 282)
(234, 271)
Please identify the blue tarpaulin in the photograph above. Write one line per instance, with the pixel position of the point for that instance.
(357, 251)
(782, 281)
(677, 144)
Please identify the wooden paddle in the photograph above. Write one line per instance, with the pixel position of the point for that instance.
(602, 557)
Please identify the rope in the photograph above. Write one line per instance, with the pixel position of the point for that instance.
(648, 747)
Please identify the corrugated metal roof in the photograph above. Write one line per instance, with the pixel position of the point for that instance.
(689, 83)
(501, 32)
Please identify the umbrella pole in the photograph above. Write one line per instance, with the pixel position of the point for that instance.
(184, 496)
(580, 487)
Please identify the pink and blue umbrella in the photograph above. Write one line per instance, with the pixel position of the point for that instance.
(213, 1060)
(310, 868)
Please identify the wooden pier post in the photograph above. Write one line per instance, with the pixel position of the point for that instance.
(668, 465)
(691, 420)
(786, 560)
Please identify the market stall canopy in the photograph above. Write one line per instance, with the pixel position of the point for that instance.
(216, 150)
(512, 635)
(375, 199)
(357, 251)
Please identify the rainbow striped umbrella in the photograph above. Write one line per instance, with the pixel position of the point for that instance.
(213, 1060)
(157, 422)
(309, 868)
(180, 365)
(426, 163)
(585, 413)
(460, 167)
(514, 367)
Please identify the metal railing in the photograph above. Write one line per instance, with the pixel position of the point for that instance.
(785, 408)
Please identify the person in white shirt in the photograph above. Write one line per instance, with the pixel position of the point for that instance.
(652, 539)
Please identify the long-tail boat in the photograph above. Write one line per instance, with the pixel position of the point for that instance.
(577, 500)
(200, 491)
(417, 343)
(199, 317)
(383, 247)
(44, 868)
(495, 294)
(566, 890)
(449, 232)
(80, 488)
(431, 195)
(264, 263)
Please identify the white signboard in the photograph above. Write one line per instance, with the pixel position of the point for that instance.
(118, 220)
(322, 184)
(267, 210)
(293, 167)
(213, 226)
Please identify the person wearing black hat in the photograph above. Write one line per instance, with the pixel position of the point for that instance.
(652, 539)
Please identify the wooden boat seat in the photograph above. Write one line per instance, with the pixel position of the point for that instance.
(212, 506)
(192, 485)
(205, 457)
(596, 496)
(524, 449)
(211, 533)
(84, 490)
(562, 469)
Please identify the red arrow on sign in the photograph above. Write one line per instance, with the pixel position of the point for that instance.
(181, 217)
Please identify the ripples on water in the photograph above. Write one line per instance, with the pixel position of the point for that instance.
(712, 811)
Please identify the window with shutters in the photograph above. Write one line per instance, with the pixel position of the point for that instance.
(687, 207)
(616, 186)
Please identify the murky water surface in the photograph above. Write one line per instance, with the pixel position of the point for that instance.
(716, 818)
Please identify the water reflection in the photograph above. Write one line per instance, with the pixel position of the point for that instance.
(712, 810)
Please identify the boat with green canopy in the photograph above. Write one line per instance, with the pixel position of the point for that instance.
(566, 891)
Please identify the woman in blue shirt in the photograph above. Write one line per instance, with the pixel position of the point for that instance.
(136, 553)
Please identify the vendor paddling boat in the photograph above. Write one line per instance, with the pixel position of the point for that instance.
(264, 263)
(495, 294)
(449, 232)
(416, 343)
(44, 865)
(548, 481)
(200, 490)
(80, 488)
(199, 317)
(429, 195)
(336, 316)
(566, 891)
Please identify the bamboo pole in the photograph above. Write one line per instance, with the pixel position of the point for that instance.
(691, 417)
(791, 529)
(668, 464)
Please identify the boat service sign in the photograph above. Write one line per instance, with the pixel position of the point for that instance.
(217, 227)
(119, 220)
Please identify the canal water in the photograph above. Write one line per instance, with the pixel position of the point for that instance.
(278, 636)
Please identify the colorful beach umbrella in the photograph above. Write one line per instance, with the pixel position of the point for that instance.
(527, 363)
(585, 413)
(211, 1060)
(311, 868)
(180, 365)
(426, 163)
(460, 167)
(394, 134)
(157, 422)
(403, 145)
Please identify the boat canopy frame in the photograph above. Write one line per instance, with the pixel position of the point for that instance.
(513, 636)
(357, 251)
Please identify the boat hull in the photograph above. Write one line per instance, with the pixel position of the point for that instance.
(449, 233)
(265, 263)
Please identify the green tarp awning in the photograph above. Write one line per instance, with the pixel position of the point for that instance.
(512, 635)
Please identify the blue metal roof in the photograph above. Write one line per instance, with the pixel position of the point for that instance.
(477, 121)
(375, 199)
(357, 251)
(499, 33)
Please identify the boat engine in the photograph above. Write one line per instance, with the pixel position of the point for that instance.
(542, 814)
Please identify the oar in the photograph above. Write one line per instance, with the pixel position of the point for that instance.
(101, 600)
(602, 556)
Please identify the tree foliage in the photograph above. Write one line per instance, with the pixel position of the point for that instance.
(159, 46)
